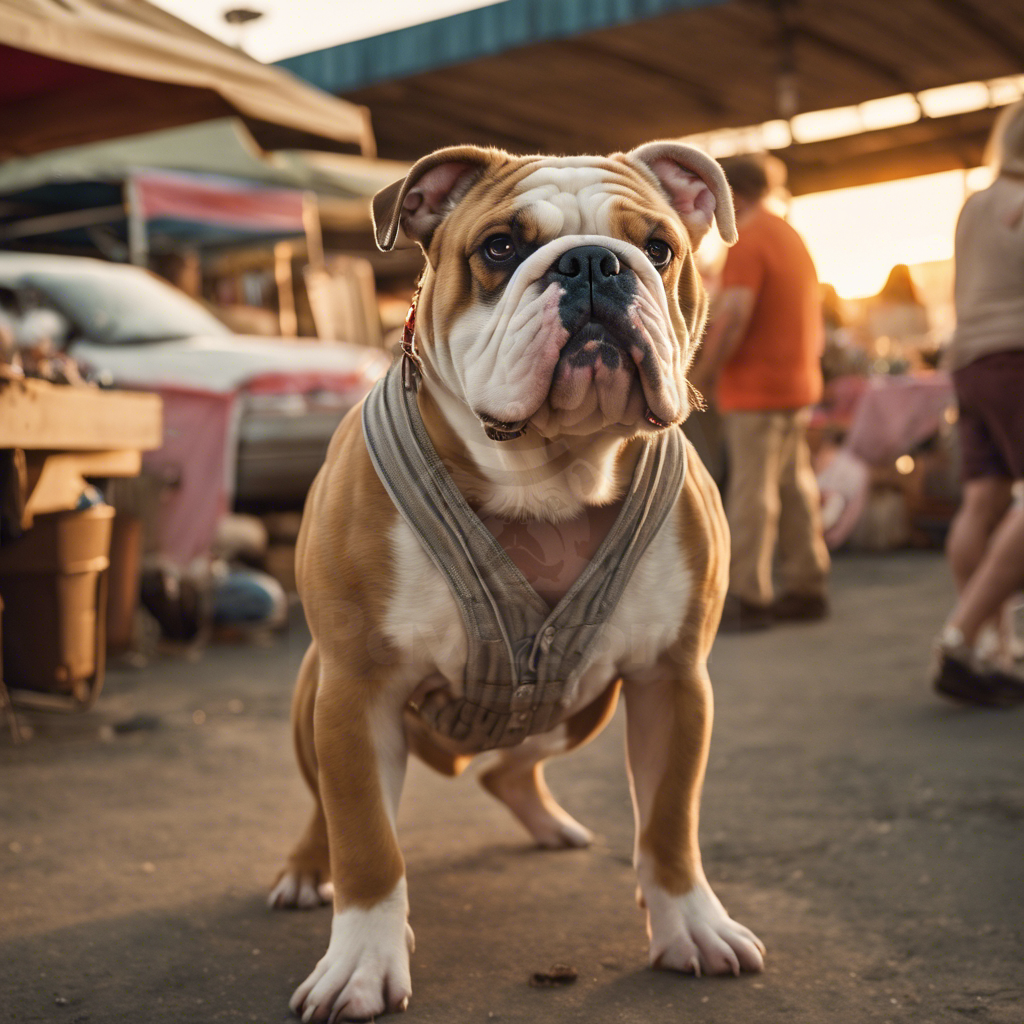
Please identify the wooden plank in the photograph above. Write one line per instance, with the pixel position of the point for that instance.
(56, 479)
(37, 415)
(886, 165)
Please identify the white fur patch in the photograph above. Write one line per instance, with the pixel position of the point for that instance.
(570, 197)
(422, 620)
(365, 971)
(694, 933)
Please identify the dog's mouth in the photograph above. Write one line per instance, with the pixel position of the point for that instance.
(618, 371)
(598, 368)
(502, 430)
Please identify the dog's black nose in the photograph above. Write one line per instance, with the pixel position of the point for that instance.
(593, 262)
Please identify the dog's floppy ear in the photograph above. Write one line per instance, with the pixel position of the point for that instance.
(695, 184)
(425, 196)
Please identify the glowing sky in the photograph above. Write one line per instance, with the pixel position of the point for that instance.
(856, 235)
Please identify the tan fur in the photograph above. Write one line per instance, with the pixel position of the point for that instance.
(311, 857)
(588, 723)
(343, 578)
(671, 838)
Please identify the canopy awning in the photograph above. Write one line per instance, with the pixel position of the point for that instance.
(158, 209)
(565, 76)
(63, 192)
(223, 146)
(83, 70)
(166, 198)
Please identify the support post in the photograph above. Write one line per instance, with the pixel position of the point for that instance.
(138, 240)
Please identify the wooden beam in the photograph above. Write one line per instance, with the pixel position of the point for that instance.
(37, 415)
(806, 175)
(56, 480)
(983, 25)
(867, 62)
(692, 88)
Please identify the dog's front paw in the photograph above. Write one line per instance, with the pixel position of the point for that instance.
(694, 933)
(365, 971)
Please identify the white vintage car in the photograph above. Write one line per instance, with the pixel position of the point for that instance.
(136, 330)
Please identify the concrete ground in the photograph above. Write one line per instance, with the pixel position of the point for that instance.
(869, 833)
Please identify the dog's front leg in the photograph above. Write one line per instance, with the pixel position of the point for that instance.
(668, 734)
(361, 754)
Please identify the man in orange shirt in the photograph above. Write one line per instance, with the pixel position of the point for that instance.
(762, 354)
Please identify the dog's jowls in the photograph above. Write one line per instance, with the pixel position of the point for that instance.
(560, 309)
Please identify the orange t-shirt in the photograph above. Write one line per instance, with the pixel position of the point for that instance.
(777, 364)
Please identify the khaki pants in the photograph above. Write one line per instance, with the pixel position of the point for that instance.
(773, 495)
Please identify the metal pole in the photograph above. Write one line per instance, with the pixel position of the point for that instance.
(138, 240)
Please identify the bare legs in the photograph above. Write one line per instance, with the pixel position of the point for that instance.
(986, 553)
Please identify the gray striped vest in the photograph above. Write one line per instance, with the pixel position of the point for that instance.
(524, 658)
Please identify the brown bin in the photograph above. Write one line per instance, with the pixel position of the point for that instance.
(52, 581)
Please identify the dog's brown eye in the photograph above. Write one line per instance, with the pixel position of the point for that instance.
(499, 248)
(658, 252)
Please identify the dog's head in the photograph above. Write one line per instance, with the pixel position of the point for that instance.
(561, 292)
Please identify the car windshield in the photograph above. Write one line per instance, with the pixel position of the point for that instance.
(116, 306)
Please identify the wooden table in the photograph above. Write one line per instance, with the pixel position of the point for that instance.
(60, 435)
(68, 433)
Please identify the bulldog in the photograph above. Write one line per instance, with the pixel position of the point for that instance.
(509, 533)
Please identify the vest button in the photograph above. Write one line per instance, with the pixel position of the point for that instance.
(546, 637)
(522, 695)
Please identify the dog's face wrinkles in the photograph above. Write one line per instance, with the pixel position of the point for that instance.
(561, 293)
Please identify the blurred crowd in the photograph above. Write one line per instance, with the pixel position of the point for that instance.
(808, 393)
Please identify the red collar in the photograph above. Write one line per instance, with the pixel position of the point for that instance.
(411, 364)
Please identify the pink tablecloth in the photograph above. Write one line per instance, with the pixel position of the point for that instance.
(197, 457)
(895, 414)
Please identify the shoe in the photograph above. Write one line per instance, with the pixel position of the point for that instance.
(961, 678)
(739, 616)
(800, 607)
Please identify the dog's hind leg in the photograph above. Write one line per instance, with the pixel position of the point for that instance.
(517, 776)
(304, 881)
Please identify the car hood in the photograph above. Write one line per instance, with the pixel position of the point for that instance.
(229, 363)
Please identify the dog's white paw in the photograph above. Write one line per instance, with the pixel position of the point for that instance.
(299, 890)
(552, 827)
(694, 933)
(560, 833)
(365, 971)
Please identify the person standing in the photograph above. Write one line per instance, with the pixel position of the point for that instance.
(985, 546)
(761, 355)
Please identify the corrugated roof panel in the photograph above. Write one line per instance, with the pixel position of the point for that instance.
(461, 37)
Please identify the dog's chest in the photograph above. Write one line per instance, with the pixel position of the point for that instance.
(552, 556)
(425, 625)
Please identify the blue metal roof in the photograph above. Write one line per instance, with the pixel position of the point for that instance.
(462, 37)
